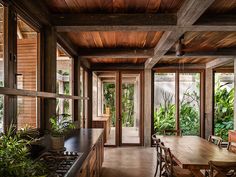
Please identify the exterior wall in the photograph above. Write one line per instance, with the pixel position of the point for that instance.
(27, 70)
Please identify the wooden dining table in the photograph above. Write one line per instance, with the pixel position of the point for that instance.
(194, 153)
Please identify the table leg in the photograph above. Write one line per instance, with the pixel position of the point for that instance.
(197, 173)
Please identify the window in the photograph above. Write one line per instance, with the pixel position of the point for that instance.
(82, 95)
(64, 81)
(164, 101)
(223, 104)
(1, 64)
(166, 84)
(27, 58)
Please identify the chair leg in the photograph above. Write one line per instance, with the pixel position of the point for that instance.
(161, 167)
(157, 165)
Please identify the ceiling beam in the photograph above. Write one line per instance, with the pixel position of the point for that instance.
(115, 53)
(219, 62)
(188, 14)
(119, 66)
(141, 22)
(67, 45)
(113, 22)
(220, 53)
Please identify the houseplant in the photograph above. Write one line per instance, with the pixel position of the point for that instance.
(60, 126)
(15, 159)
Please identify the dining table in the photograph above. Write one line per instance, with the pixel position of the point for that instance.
(194, 153)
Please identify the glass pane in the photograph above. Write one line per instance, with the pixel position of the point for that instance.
(64, 106)
(164, 102)
(130, 112)
(64, 69)
(189, 103)
(104, 104)
(1, 64)
(27, 54)
(26, 112)
(224, 104)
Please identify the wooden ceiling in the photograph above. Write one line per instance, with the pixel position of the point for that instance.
(24, 30)
(115, 39)
(113, 6)
(197, 60)
(222, 6)
(117, 60)
(208, 41)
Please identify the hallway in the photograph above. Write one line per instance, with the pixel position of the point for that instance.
(129, 162)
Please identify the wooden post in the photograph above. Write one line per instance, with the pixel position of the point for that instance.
(10, 54)
(147, 106)
(209, 110)
(90, 101)
(49, 79)
(76, 89)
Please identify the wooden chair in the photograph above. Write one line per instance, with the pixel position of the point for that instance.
(215, 140)
(231, 147)
(160, 159)
(172, 132)
(222, 169)
(170, 169)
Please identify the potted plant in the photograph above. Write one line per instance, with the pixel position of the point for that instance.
(15, 157)
(60, 126)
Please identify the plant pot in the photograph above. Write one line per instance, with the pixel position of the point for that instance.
(57, 143)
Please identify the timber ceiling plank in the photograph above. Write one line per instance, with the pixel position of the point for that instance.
(188, 14)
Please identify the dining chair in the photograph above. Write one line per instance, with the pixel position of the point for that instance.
(172, 132)
(222, 169)
(160, 159)
(172, 170)
(231, 147)
(215, 140)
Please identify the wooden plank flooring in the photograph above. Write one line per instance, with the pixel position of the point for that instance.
(129, 162)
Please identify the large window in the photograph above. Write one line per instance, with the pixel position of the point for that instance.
(64, 82)
(184, 114)
(223, 104)
(164, 101)
(27, 58)
(1, 63)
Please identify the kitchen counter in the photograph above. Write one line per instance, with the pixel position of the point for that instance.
(83, 141)
(86, 141)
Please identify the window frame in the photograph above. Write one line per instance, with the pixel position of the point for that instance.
(177, 72)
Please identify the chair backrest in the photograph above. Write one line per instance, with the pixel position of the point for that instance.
(167, 159)
(173, 132)
(157, 141)
(221, 169)
(216, 140)
(231, 147)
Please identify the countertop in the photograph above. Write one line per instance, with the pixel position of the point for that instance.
(82, 140)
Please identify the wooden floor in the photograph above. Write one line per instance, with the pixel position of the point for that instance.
(129, 162)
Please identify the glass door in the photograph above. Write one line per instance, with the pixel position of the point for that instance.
(130, 109)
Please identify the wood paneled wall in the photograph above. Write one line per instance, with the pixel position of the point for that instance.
(27, 79)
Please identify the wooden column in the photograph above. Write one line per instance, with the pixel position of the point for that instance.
(148, 90)
(90, 101)
(234, 93)
(76, 89)
(49, 78)
(209, 81)
(10, 54)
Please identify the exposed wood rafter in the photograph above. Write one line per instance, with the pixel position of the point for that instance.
(219, 62)
(188, 14)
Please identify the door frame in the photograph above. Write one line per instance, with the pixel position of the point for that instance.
(119, 108)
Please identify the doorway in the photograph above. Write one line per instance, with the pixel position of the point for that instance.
(117, 102)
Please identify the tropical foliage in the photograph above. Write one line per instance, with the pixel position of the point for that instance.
(224, 110)
(14, 157)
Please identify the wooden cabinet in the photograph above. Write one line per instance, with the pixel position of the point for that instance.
(103, 122)
(232, 136)
(92, 166)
